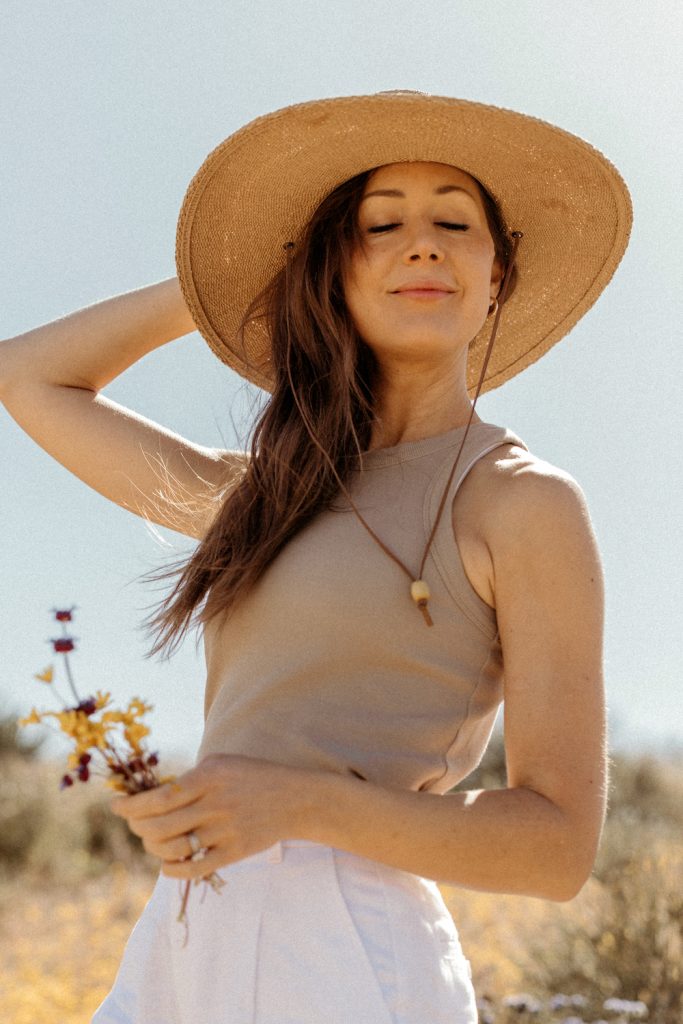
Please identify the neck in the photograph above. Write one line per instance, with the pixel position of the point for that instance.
(418, 409)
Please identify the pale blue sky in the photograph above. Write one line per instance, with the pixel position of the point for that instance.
(107, 110)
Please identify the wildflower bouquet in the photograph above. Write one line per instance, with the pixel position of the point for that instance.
(107, 742)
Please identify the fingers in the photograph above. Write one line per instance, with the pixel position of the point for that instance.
(153, 802)
(158, 829)
(195, 869)
(177, 847)
(163, 816)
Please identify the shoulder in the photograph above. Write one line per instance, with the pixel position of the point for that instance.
(519, 483)
(515, 509)
(508, 513)
(533, 510)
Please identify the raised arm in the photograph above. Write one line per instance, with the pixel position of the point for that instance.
(50, 383)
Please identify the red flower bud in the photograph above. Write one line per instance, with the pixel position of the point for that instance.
(136, 764)
(87, 706)
(66, 781)
(153, 760)
(84, 773)
(63, 616)
(63, 645)
(85, 758)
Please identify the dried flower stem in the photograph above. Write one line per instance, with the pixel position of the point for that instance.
(69, 677)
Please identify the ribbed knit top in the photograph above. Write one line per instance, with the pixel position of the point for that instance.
(328, 663)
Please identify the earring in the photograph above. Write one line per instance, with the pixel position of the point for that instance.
(493, 309)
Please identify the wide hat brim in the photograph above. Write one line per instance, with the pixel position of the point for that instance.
(256, 191)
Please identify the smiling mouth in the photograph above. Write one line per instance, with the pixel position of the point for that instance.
(424, 293)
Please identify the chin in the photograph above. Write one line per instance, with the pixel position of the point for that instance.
(417, 349)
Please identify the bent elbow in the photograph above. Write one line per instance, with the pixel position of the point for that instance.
(572, 865)
(570, 882)
(569, 892)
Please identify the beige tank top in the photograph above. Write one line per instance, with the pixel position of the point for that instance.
(328, 664)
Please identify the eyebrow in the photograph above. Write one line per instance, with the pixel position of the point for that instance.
(442, 190)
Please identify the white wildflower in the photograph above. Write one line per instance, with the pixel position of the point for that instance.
(522, 1001)
(631, 1007)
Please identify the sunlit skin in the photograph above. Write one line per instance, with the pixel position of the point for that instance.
(421, 340)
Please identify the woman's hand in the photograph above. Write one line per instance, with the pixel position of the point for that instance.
(235, 805)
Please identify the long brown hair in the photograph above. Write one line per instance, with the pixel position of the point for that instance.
(324, 376)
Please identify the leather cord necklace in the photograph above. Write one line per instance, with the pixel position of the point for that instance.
(419, 588)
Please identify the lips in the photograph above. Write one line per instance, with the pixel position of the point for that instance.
(423, 293)
(424, 287)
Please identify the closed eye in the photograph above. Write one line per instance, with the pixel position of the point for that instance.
(440, 223)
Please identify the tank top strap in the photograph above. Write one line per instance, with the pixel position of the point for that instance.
(444, 555)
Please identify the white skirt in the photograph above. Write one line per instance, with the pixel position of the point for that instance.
(301, 933)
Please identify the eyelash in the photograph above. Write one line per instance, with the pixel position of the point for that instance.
(442, 223)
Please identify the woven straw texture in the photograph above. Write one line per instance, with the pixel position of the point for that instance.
(259, 187)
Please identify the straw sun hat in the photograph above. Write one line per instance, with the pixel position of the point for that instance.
(257, 189)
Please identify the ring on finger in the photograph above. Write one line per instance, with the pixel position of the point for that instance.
(198, 852)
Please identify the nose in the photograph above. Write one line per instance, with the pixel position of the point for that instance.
(424, 246)
(433, 256)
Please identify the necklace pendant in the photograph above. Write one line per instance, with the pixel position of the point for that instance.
(420, 593)
(425, 612)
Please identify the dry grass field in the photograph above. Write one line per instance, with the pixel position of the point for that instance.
(73, 882)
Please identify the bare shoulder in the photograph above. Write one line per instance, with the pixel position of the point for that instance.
(511, 506)
(536, 511)
(522, 488)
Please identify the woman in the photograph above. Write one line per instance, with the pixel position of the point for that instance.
(381, 568)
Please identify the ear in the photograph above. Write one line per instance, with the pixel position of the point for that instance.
(496, 276)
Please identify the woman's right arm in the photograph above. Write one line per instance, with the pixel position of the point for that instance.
(50, 383)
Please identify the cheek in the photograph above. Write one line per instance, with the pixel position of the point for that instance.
(358, 292)
(360, 310)
(483, 253)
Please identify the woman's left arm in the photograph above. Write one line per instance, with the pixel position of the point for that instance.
(538, 837)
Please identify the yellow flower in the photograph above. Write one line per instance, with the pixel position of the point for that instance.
(33, 719)
(46, 676)
(81, 728)
(113, 716)
(134, 733)
(116, 783)
(138, 708)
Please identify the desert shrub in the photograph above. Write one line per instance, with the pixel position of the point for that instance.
(22, 815)
(621, 936)
(58, 836)
(13, 742)
(647, 788)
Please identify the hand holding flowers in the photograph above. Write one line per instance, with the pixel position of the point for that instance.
(235, 805)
